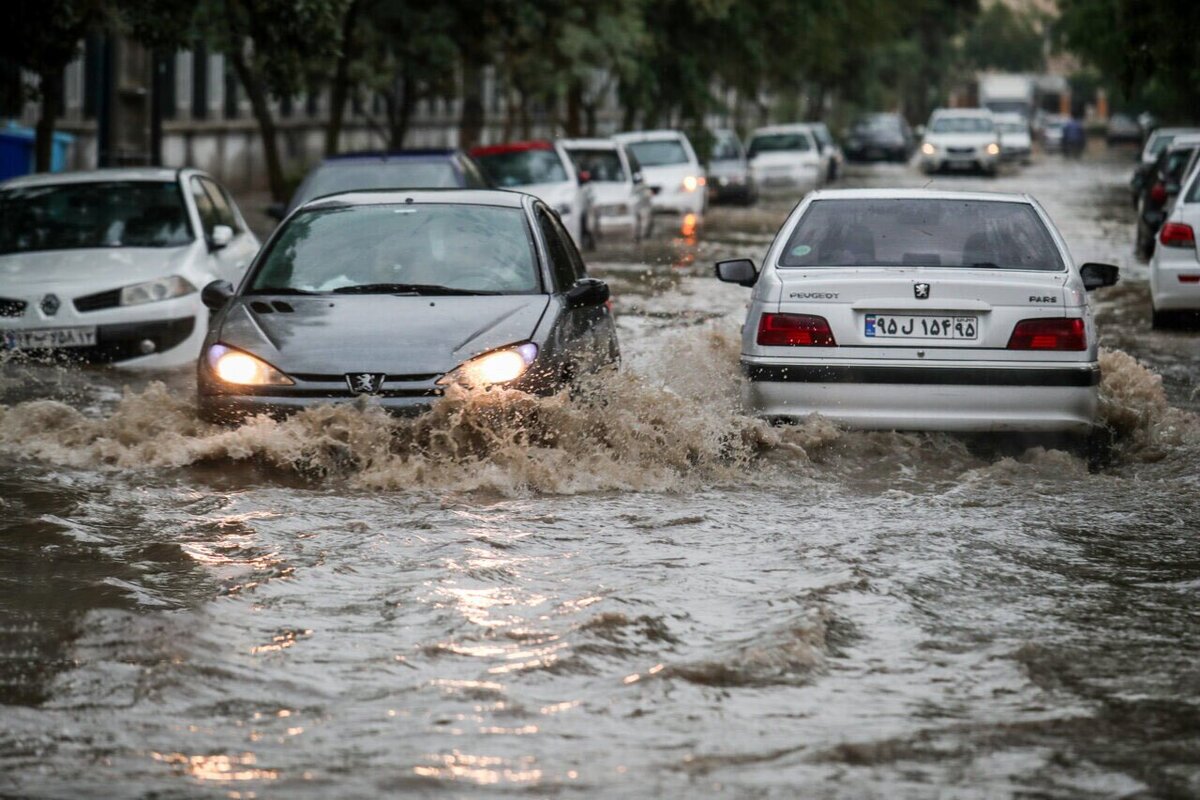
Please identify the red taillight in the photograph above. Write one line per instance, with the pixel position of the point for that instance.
(1158, 193)
(795, 330)
(1176, 234)
(1048, 334)
(1189, 278)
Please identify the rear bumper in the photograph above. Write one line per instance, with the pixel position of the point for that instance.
(679, 202)
(1051, 398)
(1167, 291)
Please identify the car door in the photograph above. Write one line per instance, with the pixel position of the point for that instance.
(215, 208)
(579, 334)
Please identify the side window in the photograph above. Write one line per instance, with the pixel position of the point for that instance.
(221, 204)
(560, 249)
(205, 207)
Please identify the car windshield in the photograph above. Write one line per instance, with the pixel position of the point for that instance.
(881, 124)
(962, 125)
(1012, 127)
(338, 177)
(602, 165)
(660, 152)
(463, 248)
(69, 216)
(906, 232)
(777, 142)
(523, 167)
(725, 148)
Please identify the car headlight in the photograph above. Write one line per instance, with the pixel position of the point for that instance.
(563, 209)
(993, 149)
(692, 182)
(499, 366)
(240, 368)
(153, 291)
(928, 149)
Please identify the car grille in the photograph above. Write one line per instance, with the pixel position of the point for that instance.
(95, 302)
(961, 151)
(11, 308)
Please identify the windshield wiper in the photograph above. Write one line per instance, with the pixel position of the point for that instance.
(279, 290)
(406, 288)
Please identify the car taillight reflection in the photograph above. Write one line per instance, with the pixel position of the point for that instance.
(1176, 234)
(1048, 334)
(795, 330)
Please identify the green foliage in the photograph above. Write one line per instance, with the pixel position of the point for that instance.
(1004, 40)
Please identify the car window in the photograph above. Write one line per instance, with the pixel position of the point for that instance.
(603, 165)
(523, 167)
(460, 246)
(94, 214)
(962, 125)
(473, 177)
(726, 149)
(559, 247)
(659, 152)
(205, 206)
(921, 233)
(221, 204)
(779, 142)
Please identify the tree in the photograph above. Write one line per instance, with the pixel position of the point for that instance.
(1005, 40)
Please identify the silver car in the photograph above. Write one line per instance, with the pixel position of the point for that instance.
(912, 309)
(399, 294)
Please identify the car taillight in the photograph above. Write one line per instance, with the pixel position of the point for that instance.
(1158, 193)
(1176, 234)
(795, 330)
(1048, 334)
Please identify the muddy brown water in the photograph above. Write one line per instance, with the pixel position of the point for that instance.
(635, 593)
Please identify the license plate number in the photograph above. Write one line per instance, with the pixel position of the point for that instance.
(50, 338)
(900, 326)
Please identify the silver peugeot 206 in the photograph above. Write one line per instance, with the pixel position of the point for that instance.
(922, 310)
(397, 295)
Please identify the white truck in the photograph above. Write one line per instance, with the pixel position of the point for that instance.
(1007, 93)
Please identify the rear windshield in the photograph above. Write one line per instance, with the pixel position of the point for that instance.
(464, 247)
(921, 233)
(69, 216)
(776, 142)
(660, 153)
(962, 125)
(358, 176)
(523, 167)
(602, 165)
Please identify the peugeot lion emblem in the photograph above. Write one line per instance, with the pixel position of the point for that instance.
(50, 304)
(921, 291)
(365, 382)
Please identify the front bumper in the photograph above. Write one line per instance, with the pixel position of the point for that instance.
(1042, 397)
(122, 342)
(234, 408)
(678, 201)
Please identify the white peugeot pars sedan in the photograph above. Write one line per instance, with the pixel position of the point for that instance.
(922, 310)
(107, 265)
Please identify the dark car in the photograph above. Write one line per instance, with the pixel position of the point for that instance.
(399, 169)
(1160, 188)
(877, 137)
(398, 295)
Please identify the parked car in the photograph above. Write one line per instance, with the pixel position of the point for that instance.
(961, 138)
(671, 169)
(399, 295)
(1052, 133)
(1158, 140)
(542, 168)
(1160, 189)
(876, 137)
(1175, 265)
(398, 169)
(107, 265)
(921, 310)
(729, 177)
(787, 158)
(1015, 142)
(830, 151)
(1122, 129)
(620, 197)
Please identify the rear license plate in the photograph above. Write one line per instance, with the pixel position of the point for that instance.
(50, 338)
(901, 326)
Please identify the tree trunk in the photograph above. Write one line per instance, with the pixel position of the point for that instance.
(470, 126)
(257, 94)
(401, 102)
(51, 90)
(340, 89)
(574, 125)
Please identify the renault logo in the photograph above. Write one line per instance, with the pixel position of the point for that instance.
(365, 382)
(921, 291)
(50, 305)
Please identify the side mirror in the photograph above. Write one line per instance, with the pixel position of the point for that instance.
(1097, 275)
(277, 211)
(216, 294)
(588, 292)
(221, 236)
(637, 177)
(739, 270)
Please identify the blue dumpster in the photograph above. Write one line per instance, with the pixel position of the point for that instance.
(16, 151)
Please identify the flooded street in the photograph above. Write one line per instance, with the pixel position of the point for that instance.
(636, 592)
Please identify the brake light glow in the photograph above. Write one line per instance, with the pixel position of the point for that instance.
(1176, 234)
(795, 330)
(1049, 334)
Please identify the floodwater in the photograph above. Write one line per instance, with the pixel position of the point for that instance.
(635, 593)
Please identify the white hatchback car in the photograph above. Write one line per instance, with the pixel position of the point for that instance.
(671, 170)
(1175, 265)
(961, 138)
(921, 310)
(1016, 144)
(108, 265)
(787, 158)
(620, 197)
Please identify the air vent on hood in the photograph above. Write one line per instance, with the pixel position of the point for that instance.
(261, 307)
(11, 308)
(95, 302)
(270, 308)
(282, 307)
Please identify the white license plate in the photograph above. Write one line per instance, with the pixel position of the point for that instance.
(903, 326)
(50, 338)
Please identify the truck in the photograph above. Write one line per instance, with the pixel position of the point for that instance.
(1008, 92)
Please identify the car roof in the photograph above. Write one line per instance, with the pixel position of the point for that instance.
(392, 155)
(595, 144)
(98, 176)
(382, 197)
(791, 127)
(918, 194)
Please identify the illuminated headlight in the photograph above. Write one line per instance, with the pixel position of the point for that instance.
(499, 366)
(993, 149)
(928, 149)
(242, 369)
(692, 182)
(563, 209)
(153, 291)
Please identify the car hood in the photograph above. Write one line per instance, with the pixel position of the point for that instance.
(398, 335)
(91, 269)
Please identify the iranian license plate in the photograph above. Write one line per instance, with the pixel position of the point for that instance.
(904, 326)
(50, 338)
